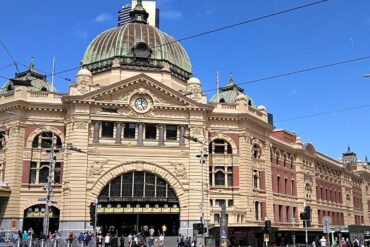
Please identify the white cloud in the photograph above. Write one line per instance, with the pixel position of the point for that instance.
(171, 14)
(82, 34)
(103, 17)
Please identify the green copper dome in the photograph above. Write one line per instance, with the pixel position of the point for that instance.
(137, 45)
(230, 93)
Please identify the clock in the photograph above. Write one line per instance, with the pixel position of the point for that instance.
(141, 104)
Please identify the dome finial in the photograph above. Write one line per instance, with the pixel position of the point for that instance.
(139, 14)
(32, 63)
(231, 80)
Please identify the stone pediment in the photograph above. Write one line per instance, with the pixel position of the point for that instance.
(127, 91)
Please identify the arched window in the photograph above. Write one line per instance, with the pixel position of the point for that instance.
(43, 89)
(219, 178)
(46, 139)
(256, 151)
(220, 146)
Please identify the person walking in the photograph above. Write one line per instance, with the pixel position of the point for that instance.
(164, 229)
(323, 241)
(107, 240)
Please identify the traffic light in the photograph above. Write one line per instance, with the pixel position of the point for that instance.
(307, 212)
(200, 228)
(92, 214)
(267, 228)
(306, 216)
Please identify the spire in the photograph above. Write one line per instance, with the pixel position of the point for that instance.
(139, 14)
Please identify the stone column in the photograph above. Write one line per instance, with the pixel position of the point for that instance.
(161, 135)
(140, 132)
(96, 132)
(182, 133)
(118, 133)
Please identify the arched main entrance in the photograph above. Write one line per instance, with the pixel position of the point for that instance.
(34, 218)
(134, 200)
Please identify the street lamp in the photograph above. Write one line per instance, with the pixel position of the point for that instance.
(202, 158)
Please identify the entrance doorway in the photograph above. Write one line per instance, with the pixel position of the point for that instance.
(34, 218)
(125, 224)
(135, 201)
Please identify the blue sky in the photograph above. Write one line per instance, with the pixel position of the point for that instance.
(327, 33)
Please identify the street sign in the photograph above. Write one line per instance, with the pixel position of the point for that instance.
(41, 199)
(326, 220)
(326, 229)
(266, 237)
(292, 220)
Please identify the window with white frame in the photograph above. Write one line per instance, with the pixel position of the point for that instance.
(256, 151)
(220, 174)
(39, 172)
(46, 139)
(257, 210)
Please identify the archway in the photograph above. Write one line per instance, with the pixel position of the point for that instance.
(136, 202)
(34, 218)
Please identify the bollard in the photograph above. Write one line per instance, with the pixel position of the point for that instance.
(42, 242)
(30, 242)
(68, 243)
(82, 244)
(55, 243)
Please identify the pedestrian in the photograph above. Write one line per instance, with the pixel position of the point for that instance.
(99, 240)
(164, 229)
(178, 240)
(161, 240)
(107, 240)
(129, 240)
(323, 241)
(151, 231)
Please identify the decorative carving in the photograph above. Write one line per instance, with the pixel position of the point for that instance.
(180, 170)
(116, 63)
(133, 114)
(13, 129)
(97, 168)
(308, 189)
(196, 92)
(80, 125)
(196, 131)
(84, 82)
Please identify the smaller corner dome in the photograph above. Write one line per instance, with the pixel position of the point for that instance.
(261, 108)
(194, 80)
(31, 78)
(231, 93)
(84, 72)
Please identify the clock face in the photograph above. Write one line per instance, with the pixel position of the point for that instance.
(141, 104)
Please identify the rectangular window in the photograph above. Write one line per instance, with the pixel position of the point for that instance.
(287, 214)
(292, 184)
(107, 129)
(255, 179)
(171, 132)
(280, 213)
(110, 110)
(285, 185)
(294, 212)
(278, 184)
(210, 176)
(229, 176)
(219, 202)
(57, 173)
(43, 172)
(257, 210)
(33, 173)
(150, 131)
(129, 131)
(216, 218)
(230, 203)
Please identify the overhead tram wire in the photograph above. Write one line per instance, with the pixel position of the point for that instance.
(64, 78)
(5, 67)
(218, 29)
(9, 54)
(323, 113)
(298, 71)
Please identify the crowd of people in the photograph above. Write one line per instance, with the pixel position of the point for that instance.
(337, 243)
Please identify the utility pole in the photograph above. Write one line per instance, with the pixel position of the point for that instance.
(49, 189)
